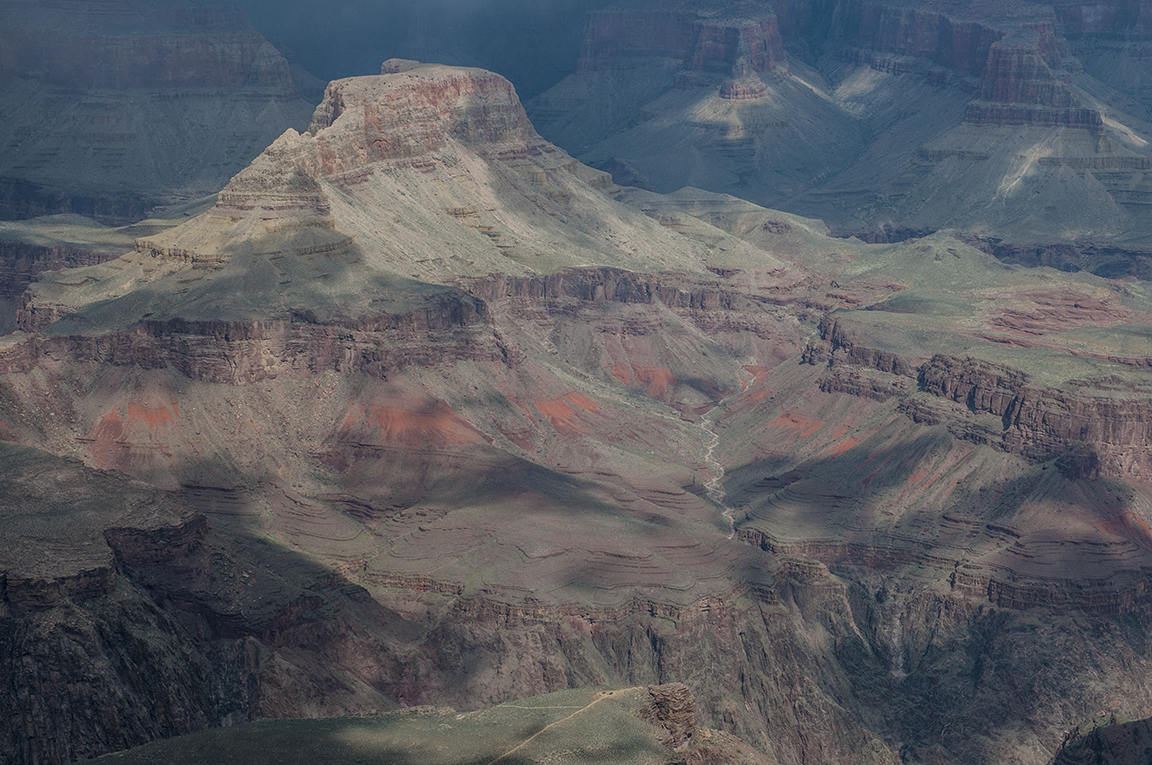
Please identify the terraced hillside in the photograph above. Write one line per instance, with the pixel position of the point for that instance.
(443, 416)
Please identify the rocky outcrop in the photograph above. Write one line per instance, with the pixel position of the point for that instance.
(732, 43)
(21, 263)
(141, 547)
(673, 708)
(245, 352)
(720, 44)
(1020, 86)
(402, 117)
(841, 347)
(1020, 71)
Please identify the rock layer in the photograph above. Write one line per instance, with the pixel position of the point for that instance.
(111, 109)
(703, 41)
(466, 423)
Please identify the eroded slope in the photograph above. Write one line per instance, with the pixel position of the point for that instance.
(466, 422)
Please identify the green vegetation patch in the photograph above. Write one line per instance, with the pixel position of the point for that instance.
(575, 726)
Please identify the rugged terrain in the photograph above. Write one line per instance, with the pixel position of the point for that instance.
(1030, 123)
(111, 107)
(424, 411)
(1106, 741)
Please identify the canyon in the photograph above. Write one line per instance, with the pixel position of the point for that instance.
(1024, 130)
(419, 411)
(112, 108)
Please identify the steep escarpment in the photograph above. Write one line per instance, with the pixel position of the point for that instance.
(1101, 420)
(1019, 86)
(703, 41)
(1105, 416)
(173, 99)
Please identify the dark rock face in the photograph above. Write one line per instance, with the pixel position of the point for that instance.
(889, 29)
(1126, 18)
(703, 44)
(1107, 741)
(104, 101)
(100, 647)
(673, 708)
(171, 46)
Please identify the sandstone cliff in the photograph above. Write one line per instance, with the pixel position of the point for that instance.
(701, 40)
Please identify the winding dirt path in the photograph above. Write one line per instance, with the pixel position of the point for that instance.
(599, 697)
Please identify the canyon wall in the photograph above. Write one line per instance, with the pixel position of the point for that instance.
(891, 30)
(21, 263)
(111, 108)
(615, 38)
(239, 352)
(1106, 417)
(455, 325)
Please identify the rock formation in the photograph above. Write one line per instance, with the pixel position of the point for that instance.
(1010, 139)
(672, 708)
(113, 108)
(424, 411)
(1106, 741)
